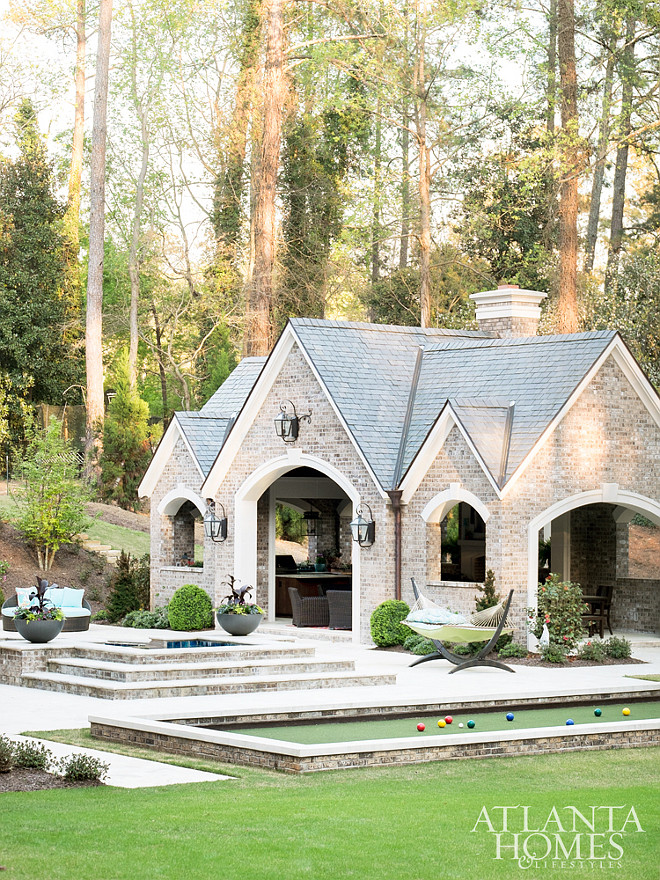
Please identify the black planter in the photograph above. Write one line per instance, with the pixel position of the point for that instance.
(38, 631)
(239, 624)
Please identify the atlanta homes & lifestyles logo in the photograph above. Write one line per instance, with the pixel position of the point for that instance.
(565, 837)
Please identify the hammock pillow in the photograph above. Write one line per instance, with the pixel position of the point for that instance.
(440, 616)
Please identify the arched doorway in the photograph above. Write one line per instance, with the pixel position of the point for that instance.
(299, 479)
(590, 543)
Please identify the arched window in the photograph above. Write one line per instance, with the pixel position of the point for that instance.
(462, 545)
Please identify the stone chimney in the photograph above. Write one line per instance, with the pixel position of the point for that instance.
(508, 311)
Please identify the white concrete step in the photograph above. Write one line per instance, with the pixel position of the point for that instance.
(112, 690)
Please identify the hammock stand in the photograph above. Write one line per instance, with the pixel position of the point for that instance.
(486, 626)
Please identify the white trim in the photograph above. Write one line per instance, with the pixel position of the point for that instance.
(440, 505)
(272, 537)
(430, 448)
(245, 523)
(632, 372)
(180, 493)
(648, 507)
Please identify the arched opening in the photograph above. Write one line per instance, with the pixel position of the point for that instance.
(315, 563)
(455, 537)
(604, 539)
(182, 530)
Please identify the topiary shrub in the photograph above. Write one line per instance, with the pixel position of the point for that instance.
(386, 628)
(618, 649)
(156, 619)
(190, 609)
(513, 649)
(417, 644)
(32, 755)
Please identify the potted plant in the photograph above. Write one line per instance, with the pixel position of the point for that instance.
(40, 621)
(236, 615)
(320, 564)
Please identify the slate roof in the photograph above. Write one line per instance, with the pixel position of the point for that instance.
(391, 383)
(207, 429)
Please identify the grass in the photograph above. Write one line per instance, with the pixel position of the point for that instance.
(118, 537)
(645, 677)
(401, 823)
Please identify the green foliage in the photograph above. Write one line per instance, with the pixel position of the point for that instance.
(489, 597)
(100, 616)
(6, 754)
(594, 651)
(507, 211)
(386, 627)
(419, 645)
(126, 442)
(618, 648)
(32, 755)
(217, 362)
(50, 504)
(513, 649)
(190, 609)
(82, 768)
(288, 523)
(36, 364)
(395, 298)
(560, 606)
(553, 653)
(156, 619)
(129, 588)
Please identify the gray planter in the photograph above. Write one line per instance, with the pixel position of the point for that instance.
(239, 624)
(38, 631)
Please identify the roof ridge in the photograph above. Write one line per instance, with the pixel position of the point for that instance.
(388, 328)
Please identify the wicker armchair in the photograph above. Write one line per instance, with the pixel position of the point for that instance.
(340, 605)
(308, 610)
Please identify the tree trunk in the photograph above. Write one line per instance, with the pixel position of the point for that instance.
(133, 256)
(599, 168)
(161, 366)
(75, 172)
(94, 323)
(275, 89)
(569, 151)
(621, 168)
(405, 189)
(424, 173)
(552, 68)
(375, 224)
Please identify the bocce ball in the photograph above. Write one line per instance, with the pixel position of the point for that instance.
(470, 724)
(448, 719)
(421, 726)
(509, 716)
(570, 722)
(460, 724)
(625, 711)
(598, 712)
(442, 723)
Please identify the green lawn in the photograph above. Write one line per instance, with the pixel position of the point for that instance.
(118, 537)
(404, 823)
(645, 677)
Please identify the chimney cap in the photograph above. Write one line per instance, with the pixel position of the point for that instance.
(508, 300)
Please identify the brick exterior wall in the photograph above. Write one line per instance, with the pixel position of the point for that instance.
(607, 437)
(511, 326)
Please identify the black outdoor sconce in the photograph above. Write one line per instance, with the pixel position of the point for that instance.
(363, 530)
(311, 523)
(287, 422)
(214, 528)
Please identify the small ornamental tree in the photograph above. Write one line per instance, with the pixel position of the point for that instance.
(51, 503)
(126, 442)
(560, 607)
(129, 588)
(489, 597)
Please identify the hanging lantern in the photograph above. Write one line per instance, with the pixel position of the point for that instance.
(287, 422)
(363, 530)
(311, 523)
(215, 527)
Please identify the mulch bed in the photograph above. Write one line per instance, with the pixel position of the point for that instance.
(36, 780)
(535, 660)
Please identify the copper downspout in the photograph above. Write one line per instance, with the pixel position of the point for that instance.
(395, 498)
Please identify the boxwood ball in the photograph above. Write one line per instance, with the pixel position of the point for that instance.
(509, 716)
(570, 722)
(448, 719)
(421, 726)
(470, 724)
(598, 712)
(625, 711)
(442, 723)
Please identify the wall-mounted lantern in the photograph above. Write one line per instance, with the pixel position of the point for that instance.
(215, 527)
(363, 530)
(287, 422)
(311, 522)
